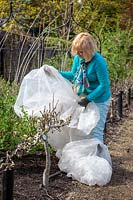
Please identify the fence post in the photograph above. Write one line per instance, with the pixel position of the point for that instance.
(129, 96)
(120, 104)
(7, 184)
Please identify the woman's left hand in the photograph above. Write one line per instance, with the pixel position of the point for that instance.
(83, 102)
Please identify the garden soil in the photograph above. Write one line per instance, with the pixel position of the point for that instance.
(119, 139)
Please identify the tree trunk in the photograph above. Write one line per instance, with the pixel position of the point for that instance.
(46, 172)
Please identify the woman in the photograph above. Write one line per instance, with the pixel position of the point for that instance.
(89, 74)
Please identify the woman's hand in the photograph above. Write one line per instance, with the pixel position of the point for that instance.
(83, 102)
(47, 71)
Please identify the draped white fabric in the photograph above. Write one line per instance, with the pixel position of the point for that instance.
(79, 156)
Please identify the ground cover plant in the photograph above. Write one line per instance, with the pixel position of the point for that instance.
(12, 128)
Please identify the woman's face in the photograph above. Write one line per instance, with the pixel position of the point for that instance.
(80, 54)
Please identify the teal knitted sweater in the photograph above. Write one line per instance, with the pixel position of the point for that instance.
(97, 74)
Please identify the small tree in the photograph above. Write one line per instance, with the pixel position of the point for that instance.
(49, 121)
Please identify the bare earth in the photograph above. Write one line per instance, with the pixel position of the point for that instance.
(119, 139)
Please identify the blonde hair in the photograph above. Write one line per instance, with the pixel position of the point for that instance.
(84, 42)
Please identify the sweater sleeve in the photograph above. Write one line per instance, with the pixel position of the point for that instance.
(103, 79)
(70, 74)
